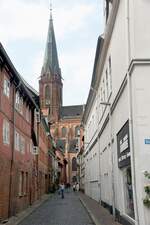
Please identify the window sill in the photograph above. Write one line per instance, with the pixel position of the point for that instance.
(20, 195)
(7, 144)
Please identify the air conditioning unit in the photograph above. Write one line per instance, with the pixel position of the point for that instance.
(38, 119)
(35, 150)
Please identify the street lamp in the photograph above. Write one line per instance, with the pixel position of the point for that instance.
(112, 160)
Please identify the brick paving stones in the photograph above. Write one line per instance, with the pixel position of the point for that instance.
(57, 211)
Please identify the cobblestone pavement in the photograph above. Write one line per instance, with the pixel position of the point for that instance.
(57, 211)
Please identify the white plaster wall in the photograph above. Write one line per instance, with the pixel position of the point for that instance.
(119, 117)
(105, 166)
(91, 124)
(141, 131)
(139, 28)
(118, 50)
(92, 173)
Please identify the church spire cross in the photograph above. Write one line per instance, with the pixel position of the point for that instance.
(51, 63)
(51, 9)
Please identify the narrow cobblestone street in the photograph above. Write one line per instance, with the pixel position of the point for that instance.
(57, 211)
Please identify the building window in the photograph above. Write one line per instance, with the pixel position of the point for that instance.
(107, 85)
(26, 184)
(74, 164)
(47, 95)
(19, 142)
(104, 96)
(64, 131)
(77, 131)
(21, 183)
(6, 132)
(110, 74)
(22, 144)
(6, 89)
(19, 103)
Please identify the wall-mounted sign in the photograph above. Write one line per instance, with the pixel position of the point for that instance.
(123, 145)
(147, 141)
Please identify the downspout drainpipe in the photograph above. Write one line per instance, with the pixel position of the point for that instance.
(131, 119)
(13, 150)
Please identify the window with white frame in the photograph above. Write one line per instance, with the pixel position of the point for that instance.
(21, 183)
(19, 103)
(19, 142)
(107, 85)
(6, 88)
(104, 94)
(22, 144)
(110, 74)
(17, 137)
(26, 183)
(6, 132)
(101, 100)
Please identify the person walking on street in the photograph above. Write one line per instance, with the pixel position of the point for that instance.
(62, 187)
(77, 187)
(74, 187)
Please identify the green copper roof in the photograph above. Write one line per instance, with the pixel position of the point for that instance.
(51, 64)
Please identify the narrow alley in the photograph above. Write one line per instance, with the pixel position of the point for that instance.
(57, 211)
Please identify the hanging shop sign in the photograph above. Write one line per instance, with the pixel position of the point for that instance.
(123, 145)
(147, 141)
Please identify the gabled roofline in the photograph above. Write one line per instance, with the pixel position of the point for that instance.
(91, 94)
(101, 59)
(19, 80)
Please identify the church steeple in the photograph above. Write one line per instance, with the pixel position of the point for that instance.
(51, 63)
(50, 83)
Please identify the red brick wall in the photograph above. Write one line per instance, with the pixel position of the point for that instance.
(13, 162)
(55, 85)
(4, 185)
(43, 160)
(21, 162)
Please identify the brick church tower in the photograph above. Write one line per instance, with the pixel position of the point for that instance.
(50, 83)
(64, 120)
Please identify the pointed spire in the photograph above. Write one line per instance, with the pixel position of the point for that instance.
(51, 9)
(51, 63)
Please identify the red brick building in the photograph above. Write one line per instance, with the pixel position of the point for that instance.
(25, 164)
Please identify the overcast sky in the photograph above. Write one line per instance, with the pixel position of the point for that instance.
(77, 24)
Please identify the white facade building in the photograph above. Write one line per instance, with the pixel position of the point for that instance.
(117, 114)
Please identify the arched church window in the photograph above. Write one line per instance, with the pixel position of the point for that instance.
(74, 164)
(64, 131)
(77, 131)
(47, 94)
